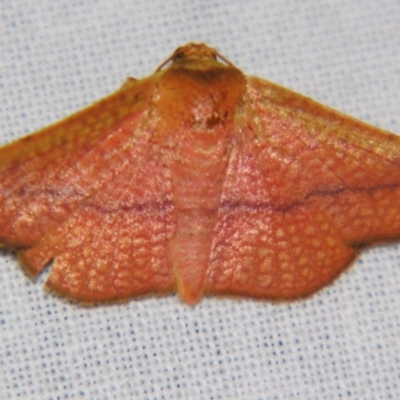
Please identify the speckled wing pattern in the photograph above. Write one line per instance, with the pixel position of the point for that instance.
(87, 193)
(305, 189)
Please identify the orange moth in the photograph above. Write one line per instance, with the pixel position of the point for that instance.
(200, 180)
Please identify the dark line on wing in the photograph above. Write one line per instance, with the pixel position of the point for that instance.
(169, 205)
(144, 207)
(318, 193)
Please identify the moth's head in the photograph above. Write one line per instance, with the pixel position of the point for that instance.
(194, 51)
(194, 54)
(198, 94)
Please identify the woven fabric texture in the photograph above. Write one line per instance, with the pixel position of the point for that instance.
(343, 343)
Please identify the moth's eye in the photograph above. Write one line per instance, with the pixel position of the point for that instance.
(179, 55)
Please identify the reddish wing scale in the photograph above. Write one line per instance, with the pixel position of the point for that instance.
(87, 193)
(306, 187)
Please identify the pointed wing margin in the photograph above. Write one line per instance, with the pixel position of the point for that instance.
(306, 187)
(89, 194)
(44, 176)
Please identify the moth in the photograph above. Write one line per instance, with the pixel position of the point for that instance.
(202, 181)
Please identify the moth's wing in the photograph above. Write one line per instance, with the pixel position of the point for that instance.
(306, 187)
(97, 203)
(44, 176)
(115, 244)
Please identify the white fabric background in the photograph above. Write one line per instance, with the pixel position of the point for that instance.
(57, 57)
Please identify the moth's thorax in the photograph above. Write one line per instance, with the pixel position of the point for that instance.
(200, 97)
